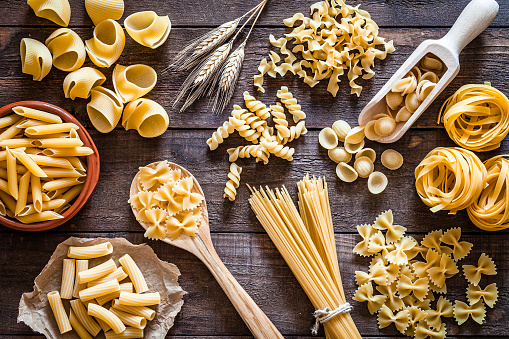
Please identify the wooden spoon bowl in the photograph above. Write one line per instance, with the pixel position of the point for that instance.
(201, 246)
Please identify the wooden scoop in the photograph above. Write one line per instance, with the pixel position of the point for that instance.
(201, 246)
(474, 19)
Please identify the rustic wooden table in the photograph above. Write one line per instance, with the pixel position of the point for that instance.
(240, 240)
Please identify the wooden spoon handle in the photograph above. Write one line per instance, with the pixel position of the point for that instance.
(259, 324)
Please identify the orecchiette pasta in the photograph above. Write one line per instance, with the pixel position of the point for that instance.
(100, 10)
(134, 81)
(107, 44)
(58, 11)
(146, 116)
(230, 191)
(78, 84)
(67, 49)
(36, 58)
(147, 28)
(104, 109)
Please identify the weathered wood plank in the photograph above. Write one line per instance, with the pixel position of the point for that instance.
(321, 107)
(123, 152)
(255, 262)
(213, 13)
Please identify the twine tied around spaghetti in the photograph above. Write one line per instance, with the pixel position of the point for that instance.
(326, 314)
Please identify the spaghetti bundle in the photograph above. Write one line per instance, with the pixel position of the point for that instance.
(450, 178)
(306, 242)
(491, 211)
(476, 117)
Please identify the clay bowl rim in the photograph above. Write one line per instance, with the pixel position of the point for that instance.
(93, 168)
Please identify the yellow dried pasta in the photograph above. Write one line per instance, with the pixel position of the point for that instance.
(36, 58)
(230, 191)
(104, 109)
(78, 84)
(489, 294)
(463, 311)
(100, 10)
(147, 28)
(107, 44)
(58, 11)
(485, 265)
(133, 81)
(146, 116)
(67, 49)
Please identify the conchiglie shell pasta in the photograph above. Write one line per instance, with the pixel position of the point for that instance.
(146, 116)
(35, 58)
(78, 84)
(58, 11)
(67, 48)
(377, 182)
(104, 109)
(107, 44)
(100, 10)
(346, 172)
(147, 28)
(328, 138)
(134, 81)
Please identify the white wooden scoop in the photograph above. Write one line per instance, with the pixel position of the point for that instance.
(201, 246)
(474, 19)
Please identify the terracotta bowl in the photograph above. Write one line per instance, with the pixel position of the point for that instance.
(92, 168)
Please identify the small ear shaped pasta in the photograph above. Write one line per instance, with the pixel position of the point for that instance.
(377, 182)
(355, 135)
(107, 44)
(327, 138)
(100, 10)
(147, 117)
(346, 172)
(67, 48)
(58, 11)
(392, 159)
(339, 154)
(134, 81)
(104, 109)
(341, 128)
(147, 28)
(36, 58)
(78, 84)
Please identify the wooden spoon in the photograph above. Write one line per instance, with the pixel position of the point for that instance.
(474, 19)
(201, 246)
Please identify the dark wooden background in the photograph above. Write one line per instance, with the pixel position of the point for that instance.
(240, 240)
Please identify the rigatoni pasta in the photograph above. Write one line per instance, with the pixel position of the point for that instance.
(78, 327)
(90, 252)
(135, 299)
(97, 271)
(108, 317)
(134, 273)
(59, 312)
(67, 285)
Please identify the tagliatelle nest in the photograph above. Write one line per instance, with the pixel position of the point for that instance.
(336, 38)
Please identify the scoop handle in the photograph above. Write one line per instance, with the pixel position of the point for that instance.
(474, 19)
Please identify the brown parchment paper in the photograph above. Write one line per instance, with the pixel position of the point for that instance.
(34, 309)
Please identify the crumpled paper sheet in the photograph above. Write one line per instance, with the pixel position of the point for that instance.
(34, 309)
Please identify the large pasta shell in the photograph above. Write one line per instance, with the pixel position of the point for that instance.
(107, 44)
(35, 58)
(100, 10)
(104, 109)
(146, 116)
(79, 83)
(67, 48)
(134, 81)
(58, 11)
(147, 28)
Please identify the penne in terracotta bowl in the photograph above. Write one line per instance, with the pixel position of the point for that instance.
(92, 169)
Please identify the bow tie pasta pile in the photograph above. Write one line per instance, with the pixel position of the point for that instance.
(334, 39)
(65, 50)
(407, 276)
(167, 202)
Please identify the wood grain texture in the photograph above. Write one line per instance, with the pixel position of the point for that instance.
(257, 265)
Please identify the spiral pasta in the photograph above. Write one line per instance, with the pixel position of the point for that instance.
(147, 117)
(78, 84)
(107, 44)
(256, 106)
(241, 119)
(295, 132)
(491, 211)
(281, 124)
(58, 11)
(100, 10)
(36, 58)
(476, 117)
(291, 104)
(450, 178)
(104, 109)
(220, 134)
(230, 191)
(256, 151)
(134, 81)
(277, 149)
(147, 28)
(67, 48)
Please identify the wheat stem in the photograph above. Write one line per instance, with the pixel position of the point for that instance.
(256, 19)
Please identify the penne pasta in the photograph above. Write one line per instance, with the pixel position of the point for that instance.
(33, 151)
(19, 168)
(81, 265)
(69, 196)
(30, 164)
(9, 120)
(46, 206)
(99, 290)
(36, 114)
(8, 201)
(51, 128)
(135, 299)
(51, 162)
(57, 143)
(118, 274)
(36, 192)
(130, 319)
(90, 252)
(68, 273)
(126, 287)
(87, 321)
(75, 162)
(62, 172)
(3, 209)
(39, 217)
(24, 183)
(16, 143)
(3, 155)
(68, 152)
(134, 273)
(12, 174)
(141, 311)
(97, 271)
(59, 312)
(62, 183)
(108, 317)
(78, 327)
(4, 186)
(57, 193)
(25, 123)
(129, 333)
(9, 133)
